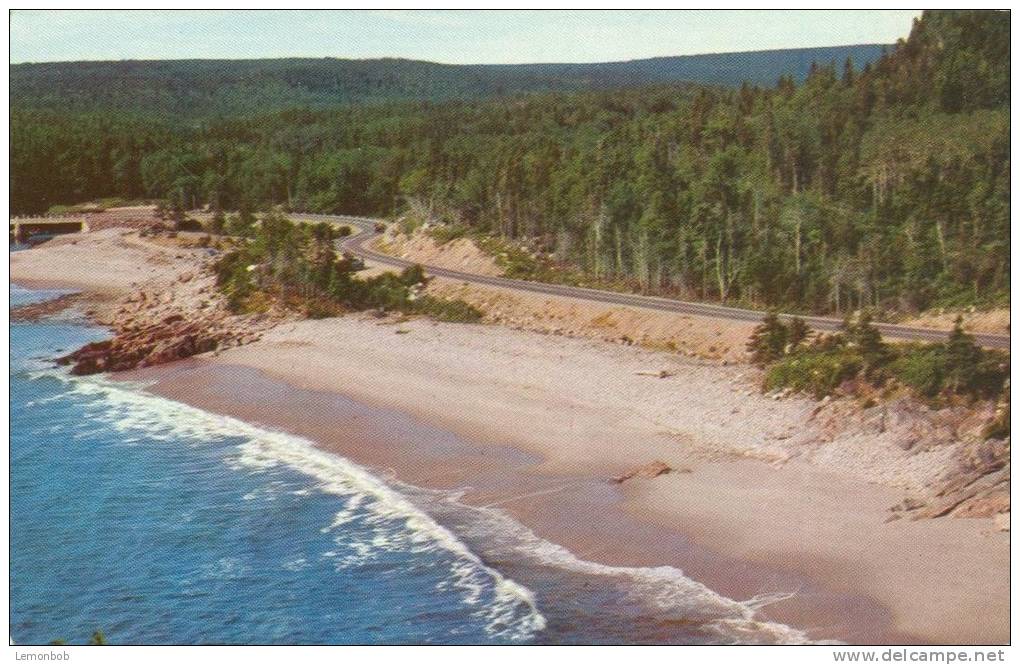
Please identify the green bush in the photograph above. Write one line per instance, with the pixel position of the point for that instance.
(443, 309)
(933, 371)
(956, 367)
(218, 222)
(447, 233)
(811, 371)
(768, 340)
(413, 275)
(239, 225)
(408, 223)
(922, 368)
(865, 337)
(798, 332)
(296, 266)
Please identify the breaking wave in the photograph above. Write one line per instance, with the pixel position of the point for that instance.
(391, 522)
(393, 517)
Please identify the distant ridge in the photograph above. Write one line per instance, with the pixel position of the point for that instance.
(204, 87)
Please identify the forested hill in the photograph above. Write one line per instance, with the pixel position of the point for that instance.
(221, 87)
(878, 186)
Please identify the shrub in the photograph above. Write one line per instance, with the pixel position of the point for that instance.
(992, 375)
(408, 223)
(218, 222)
(957, 367)
(447, 233)
(860, 333)
(189, 224)
(922, 368)
(443, 309)
(816, 372)
(413, 275)
(963, 359)
(320, 308)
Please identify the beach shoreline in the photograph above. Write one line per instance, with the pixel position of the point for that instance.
(536, 425)
(651, 522)
(594, 519)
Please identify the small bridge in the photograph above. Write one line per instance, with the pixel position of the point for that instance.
(22, 229)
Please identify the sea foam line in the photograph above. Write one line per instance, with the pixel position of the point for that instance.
(513, 612)
(664, 588)
(510, 612)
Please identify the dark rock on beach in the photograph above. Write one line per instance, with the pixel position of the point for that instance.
(173, 339)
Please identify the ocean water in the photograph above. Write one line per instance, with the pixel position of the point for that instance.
(158, 523)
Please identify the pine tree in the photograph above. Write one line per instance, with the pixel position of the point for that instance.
(768, 340)
(963, 357)
(798, 332)
(862, 334)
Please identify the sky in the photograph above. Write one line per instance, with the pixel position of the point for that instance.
(459, 36)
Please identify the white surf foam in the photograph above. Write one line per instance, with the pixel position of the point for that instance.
(511, 610)
(665, 589)
(507, 608)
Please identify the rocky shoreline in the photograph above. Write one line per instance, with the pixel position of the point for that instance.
(178, 312)
(690, 442)
(174, 312)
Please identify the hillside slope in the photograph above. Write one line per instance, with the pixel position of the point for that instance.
(200, 87)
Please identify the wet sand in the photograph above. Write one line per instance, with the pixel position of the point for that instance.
(634, 524)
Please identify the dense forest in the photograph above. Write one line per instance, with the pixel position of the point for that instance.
(185, 89)
(884, 185)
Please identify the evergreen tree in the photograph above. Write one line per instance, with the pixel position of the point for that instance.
(962, 360)
(798, 332)
(768, 340)
(864, 336)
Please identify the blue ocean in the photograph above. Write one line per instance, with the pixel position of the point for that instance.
(158, 523)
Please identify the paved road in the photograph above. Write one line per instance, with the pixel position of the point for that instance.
(357, 245)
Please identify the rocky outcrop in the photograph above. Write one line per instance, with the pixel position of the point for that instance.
(958, 472)
(172, 339)
(977, 485)
(38, 310)
(177, 314)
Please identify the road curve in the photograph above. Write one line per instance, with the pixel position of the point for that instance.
(356, 244)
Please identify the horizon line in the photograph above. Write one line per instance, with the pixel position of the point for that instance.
(453, 64)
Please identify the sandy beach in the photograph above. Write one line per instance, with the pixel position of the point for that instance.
(767, 496)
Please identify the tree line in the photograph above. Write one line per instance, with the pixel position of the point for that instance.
(884, 187)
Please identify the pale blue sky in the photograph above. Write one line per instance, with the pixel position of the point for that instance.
(442, 36)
